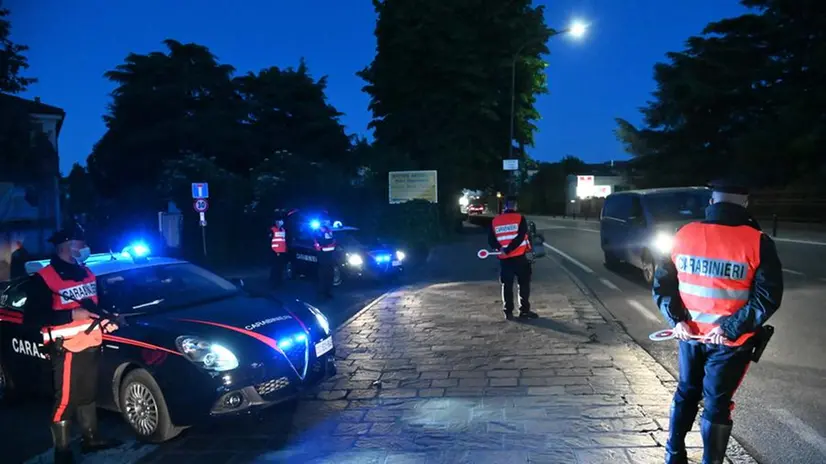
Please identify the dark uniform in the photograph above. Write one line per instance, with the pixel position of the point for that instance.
(73, 352)
(723, 281)
(17, 266)
(509, 234)
(325, 245)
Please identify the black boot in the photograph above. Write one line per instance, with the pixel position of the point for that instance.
(91, 442)
(715, 441)
(527, 314)
(679, 425)
(61, 437)
(508, 315)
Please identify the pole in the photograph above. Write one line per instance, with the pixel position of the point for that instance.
(203, 239)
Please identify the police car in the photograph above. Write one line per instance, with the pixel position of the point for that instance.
(357, 256)
(196, 346)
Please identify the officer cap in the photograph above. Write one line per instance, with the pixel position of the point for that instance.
(65, 235)
(730, 185)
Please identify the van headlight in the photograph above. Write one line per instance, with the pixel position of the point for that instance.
(400, 255)
(355, 260)
(663, 243)
(211, 356)
(320, 318)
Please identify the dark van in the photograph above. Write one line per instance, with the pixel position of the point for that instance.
(638, 226)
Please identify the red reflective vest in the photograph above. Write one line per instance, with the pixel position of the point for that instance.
(64, 294)
(279, 240)
(715, 267)
(505, 227)
(328, 243)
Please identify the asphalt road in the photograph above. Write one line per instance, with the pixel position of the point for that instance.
(781, 407)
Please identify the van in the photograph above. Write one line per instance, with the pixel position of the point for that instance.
(637, 226)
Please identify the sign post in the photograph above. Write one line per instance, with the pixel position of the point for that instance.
(200, 193)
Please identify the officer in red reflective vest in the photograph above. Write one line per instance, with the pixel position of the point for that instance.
(325, 246)
(723, 281)
(278, 244)
(56, 297)
(509, 234)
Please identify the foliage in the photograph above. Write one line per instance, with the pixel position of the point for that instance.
(545, 192)
(12, 59)
(440, 85)
(747, 96)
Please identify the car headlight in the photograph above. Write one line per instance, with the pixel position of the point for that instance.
(663, 242)
(211, 356)
(320, 318)
(400, 256)
(355, 260)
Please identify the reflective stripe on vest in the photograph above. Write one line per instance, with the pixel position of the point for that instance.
(66, 295)
(715, 267)
(279, 240)
(506, 228)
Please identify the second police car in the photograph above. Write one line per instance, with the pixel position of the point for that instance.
(196, 345)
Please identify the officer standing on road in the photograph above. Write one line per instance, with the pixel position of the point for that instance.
(509, 234)
(278, 244)
(721, 284)
(62, 298)
(325, 244)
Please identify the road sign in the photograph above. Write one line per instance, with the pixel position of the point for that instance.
(200, 190)
(201, 205)
(510, 165)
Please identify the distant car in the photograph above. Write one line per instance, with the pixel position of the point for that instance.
(638, 226)
(196, 346)
(475, 209)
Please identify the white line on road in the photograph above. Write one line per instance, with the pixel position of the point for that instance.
(802, 242)
(806, 433)
(643, 310)
(609, 284)
(569, 258)
(793, 272)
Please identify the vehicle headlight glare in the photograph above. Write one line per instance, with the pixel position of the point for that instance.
(663, 243)
(320, 318)
(210, 356)
(400, 256)
(355, 260)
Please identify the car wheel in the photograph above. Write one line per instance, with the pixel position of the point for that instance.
(143, 407)
(337, 277)
(610, 260)
(648, 267)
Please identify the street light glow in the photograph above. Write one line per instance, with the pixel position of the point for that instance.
(578, 29)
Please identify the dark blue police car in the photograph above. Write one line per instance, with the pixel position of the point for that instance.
(196, 345)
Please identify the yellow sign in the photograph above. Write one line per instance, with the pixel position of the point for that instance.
(413, 185)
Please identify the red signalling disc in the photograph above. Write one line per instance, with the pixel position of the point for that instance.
(483, 254)
(661, 335)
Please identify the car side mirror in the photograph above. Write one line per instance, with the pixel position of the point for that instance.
(532, 228)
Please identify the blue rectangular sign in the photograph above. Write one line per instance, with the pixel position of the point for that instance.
(200, 190)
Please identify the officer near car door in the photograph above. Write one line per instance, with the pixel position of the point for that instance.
(57, 300)
(325, 246)
(509, 235)
(722, 282)
(278, 244)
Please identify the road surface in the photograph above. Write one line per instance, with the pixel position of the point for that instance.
(781, 406)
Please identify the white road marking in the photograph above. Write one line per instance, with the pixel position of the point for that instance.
(802, 242)
(646, 312)
(569, 258)
(584, 230)
(804, 431)
(793, 272)
(609, 284)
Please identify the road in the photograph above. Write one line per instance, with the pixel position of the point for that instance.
(781, 406)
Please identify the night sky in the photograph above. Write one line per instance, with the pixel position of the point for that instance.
(606, 74)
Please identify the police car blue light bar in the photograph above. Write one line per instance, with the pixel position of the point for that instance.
(315, 224)
(136, 250)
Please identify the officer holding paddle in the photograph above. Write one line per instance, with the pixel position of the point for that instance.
(721, 284)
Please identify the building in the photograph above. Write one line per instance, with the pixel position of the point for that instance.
(585, 193)
(30, 196)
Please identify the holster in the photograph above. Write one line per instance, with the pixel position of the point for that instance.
(762, 338)
(58, 345)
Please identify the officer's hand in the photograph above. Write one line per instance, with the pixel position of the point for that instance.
(716, 336)
(683, 331)
(82, 314)
(108, 326)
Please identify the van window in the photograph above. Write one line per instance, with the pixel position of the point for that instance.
(618, 206)
(678, 206)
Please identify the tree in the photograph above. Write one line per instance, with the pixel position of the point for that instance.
(12, 59)
(441, 79)
(545, 192)
(746, 96)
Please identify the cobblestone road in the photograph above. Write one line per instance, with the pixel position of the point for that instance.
(433, 374)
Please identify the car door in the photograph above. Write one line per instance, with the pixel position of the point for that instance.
(22, 351)
(637, 234)
(615, 223)
(306, 256)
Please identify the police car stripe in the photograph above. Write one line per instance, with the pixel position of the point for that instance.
(704, 318)
(715, 293)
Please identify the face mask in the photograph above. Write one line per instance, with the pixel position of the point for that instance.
(82, 255)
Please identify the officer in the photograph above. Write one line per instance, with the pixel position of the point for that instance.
(509, 234)
(17, 266)
(278, 244)
(61, 301)
(722, 282)
(325, 246)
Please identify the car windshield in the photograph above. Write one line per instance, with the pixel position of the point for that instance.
(677, 206)
(156, 288)
(350, 237)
